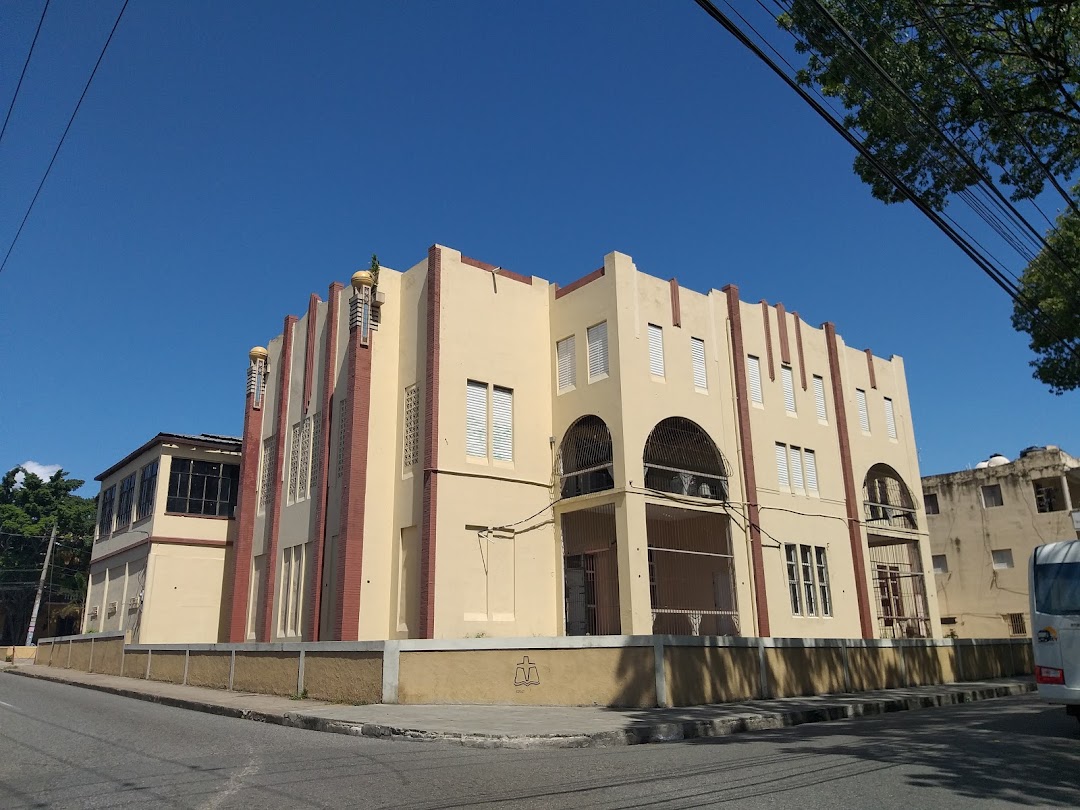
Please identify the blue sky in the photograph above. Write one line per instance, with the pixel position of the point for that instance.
(231, 158)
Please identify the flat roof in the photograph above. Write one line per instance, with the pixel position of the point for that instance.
(211, 441)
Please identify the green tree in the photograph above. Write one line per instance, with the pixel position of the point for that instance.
(1000, 81)
(28, 512)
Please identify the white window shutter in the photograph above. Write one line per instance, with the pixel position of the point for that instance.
(697, 357)
(656, 350)
(810, 465)
(564, 351)
(502, 424)
(598, 350)
(476, 419)
(789, 389)
(819, 398)
(864, 416)
(796, 468)
(890, 418)
(753, 371)
(782, 466)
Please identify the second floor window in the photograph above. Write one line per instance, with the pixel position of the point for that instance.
(202, 487)
(105, 512)
(489, 421)
(127, 499)
(147, 489)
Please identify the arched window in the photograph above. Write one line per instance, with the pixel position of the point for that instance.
(887, 500)
(682, 459)
(585, 458)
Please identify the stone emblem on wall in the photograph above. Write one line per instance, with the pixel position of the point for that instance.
(526, 673)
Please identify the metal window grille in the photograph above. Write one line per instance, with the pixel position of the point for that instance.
(294, 461)
(691, 572)
(410, 453)
(585, 458)
(202, 487)
(147, 490)
(105, 512)
(864, 415)
(890, 418)
(900, 590)
(565, 362)
(303, 483)
(1017, 624)
(753, 373)
(656, 350)
(126, 500)
(591, 571)
(598, 350)
(681, 458)
(789, 388)
(887, 501)
(266, 482)
(819, 399)
(697, 359)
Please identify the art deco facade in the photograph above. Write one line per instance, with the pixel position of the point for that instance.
(463, 451)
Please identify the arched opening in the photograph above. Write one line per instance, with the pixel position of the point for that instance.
(682, 459)
(585, 464)
(887, 500)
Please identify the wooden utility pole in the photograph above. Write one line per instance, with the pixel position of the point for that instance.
(40, 589)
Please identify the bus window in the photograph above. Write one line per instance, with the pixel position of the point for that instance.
(1057, 588)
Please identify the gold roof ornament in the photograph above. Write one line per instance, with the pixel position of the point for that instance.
(258, 353)
(363, 278)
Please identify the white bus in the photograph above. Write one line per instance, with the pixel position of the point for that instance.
(1054, 582)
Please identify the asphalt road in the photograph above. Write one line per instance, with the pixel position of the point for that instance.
(61, 746)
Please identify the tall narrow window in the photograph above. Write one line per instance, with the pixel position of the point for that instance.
(810, 465)
(794, 591)
(342, 419)
(789, 388)
(890, 418)
(316, 451)
(476, 419)
(125, 502)
(795, 454)
(502, 424)
(819, 399)
(303, 486)
(266, 480)
(807, 557)
(598, 351)
(753, 372)
(823, 581)
(782, 466)
(105, 511)
(656, 350)
(697, 359)
(864, 416)
(147, 490)
(567, 368)
(294, 460)
(410, 453)
(930, 500)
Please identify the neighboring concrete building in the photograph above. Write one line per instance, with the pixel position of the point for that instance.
(466, 451)
(984, 524)
(163, 541)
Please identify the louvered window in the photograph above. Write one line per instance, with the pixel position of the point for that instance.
(789, 389)
(697, 359)
(796, 468)
(782, 466)
(810, 467)
(819, 398)
(890, 418)
(864, 416)
(564, 352)
(656, 350)
(476, 419)
(753, 371)
(598, 351)
(502, 424)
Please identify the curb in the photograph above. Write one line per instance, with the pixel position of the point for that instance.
(635, 735)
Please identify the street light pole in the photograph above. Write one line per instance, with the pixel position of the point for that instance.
(40, 589)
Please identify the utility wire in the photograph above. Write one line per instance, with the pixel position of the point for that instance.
(22, 75)
(71, 120)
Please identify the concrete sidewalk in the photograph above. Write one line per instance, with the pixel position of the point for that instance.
(533, 726)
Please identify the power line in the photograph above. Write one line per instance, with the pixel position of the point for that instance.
(63, 137)
(22, 75)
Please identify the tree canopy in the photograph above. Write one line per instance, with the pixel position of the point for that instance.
(28, 511)
(974, 92)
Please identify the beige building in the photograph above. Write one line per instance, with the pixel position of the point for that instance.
(163, 540)
(984, 524)
(464, 451)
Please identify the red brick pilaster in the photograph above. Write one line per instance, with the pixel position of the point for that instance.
(309, 353)
(870, 368)
(431, 444)
(785, 346)
(273, 518)
(676, 304)
(768, 335)
(799, 349)
(247, 503)
(350, 561)
(333, 302)
(753, 512)
(851, 496)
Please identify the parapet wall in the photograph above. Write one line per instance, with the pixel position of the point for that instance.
(633, 671)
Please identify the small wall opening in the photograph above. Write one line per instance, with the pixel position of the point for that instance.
(591, 572)
(1049, 494)
(691, 572)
